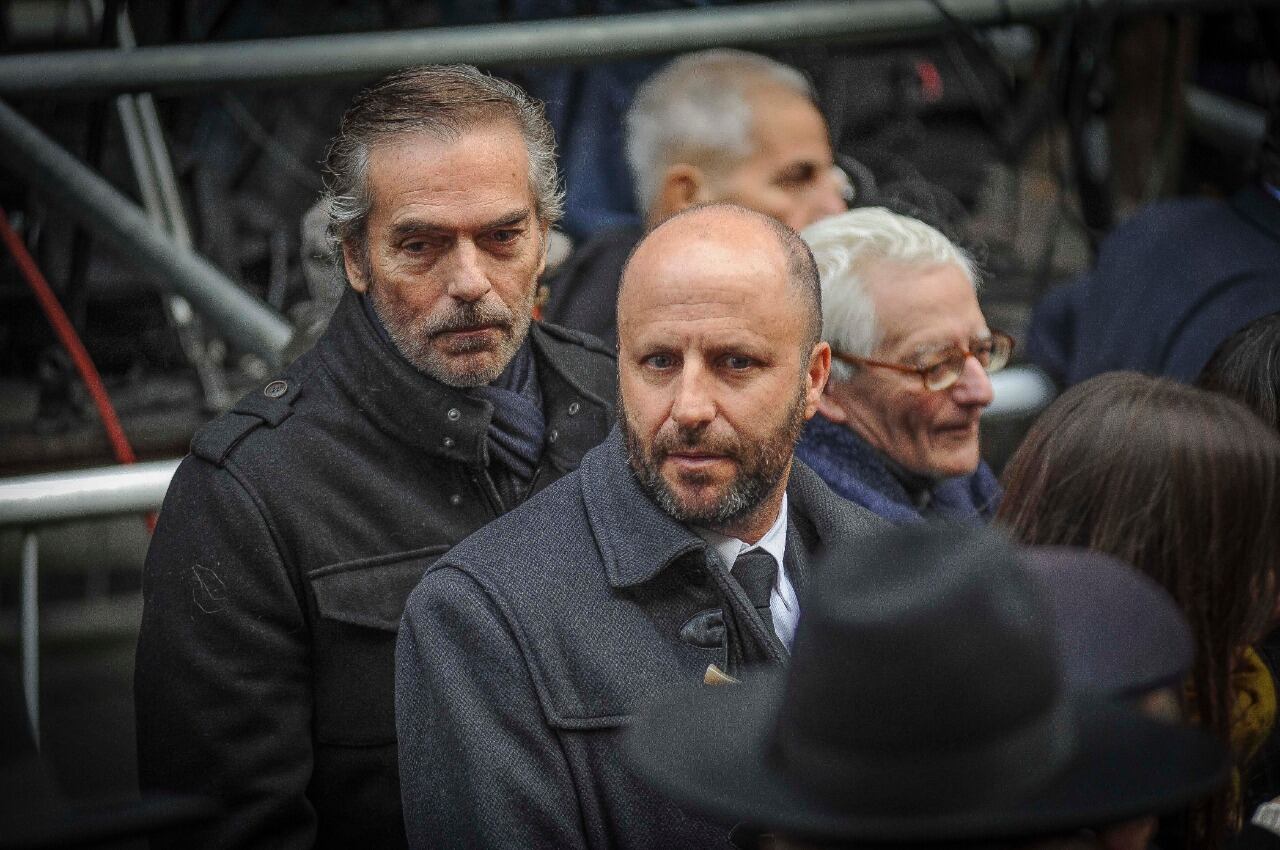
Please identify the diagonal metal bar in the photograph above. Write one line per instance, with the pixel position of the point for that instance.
(33, 157)
(287, 61)
(163, 203)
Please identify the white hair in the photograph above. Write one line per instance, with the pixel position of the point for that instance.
(697, 103)
(845, 247)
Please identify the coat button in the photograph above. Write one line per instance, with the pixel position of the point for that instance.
(448, 442)
(275, 389)
(553, 436)
(574, 407)
(453, 414)
(455, 500)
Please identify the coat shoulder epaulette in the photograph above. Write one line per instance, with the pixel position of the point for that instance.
(579, 338)
(268, 405)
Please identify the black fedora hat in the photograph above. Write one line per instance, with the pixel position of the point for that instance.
(925, 703)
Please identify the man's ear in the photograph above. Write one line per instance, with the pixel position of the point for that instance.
(683, 185)
(355, 267)
(818, 373)
(830, 406)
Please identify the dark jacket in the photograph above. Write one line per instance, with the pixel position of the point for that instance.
(1169, 286)
(858, 472)
(525, 651)
(287, 544)
(584, 290)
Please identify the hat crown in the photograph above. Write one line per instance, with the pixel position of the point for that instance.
(930, 648)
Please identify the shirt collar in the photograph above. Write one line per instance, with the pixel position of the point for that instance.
(729, 548)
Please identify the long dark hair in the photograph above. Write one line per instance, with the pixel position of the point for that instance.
(1246, 366)
(1180, 482)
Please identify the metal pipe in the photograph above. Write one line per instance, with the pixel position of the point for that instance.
(366, 55)
(153, 168)
(136, 145)
(1019, 391)
(29, 617)
(1230, 125)
(84, 494)
(32, 156)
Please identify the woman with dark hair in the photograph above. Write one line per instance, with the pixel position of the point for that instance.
(1185, 485)
(1247, 367)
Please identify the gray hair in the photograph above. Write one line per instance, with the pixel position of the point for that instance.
(444, 101)
(845, 247)
(696, 106)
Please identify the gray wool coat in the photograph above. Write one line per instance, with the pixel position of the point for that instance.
(526, 650)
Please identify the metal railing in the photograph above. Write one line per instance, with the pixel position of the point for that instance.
(287, 61)
(31, 501)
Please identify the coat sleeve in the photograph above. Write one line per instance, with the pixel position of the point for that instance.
(479, 766)
(222, 682)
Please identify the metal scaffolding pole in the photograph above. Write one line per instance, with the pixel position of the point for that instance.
(1233, 126)
(29, 617)
(162, 201)
(365, 55)
(33, 157)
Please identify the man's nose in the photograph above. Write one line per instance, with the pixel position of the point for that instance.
(693, 405)
(467, 278)
(973, 389)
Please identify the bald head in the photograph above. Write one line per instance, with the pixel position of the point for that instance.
(719, 365)
(736, 235)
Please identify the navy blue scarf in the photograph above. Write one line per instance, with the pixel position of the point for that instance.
(861, 474)
(517, 427)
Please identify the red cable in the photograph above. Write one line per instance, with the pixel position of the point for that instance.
(71, 342)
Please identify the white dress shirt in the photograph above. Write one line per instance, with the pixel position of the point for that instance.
(782, 601)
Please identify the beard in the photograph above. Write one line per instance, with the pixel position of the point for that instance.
(761, 466)
(413, 334)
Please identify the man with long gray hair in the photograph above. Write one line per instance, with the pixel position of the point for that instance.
(299, 523)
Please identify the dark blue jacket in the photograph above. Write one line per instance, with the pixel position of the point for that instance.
(1169, 286)
(858, 472)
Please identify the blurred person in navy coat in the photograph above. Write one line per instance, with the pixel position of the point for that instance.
(1170, 284)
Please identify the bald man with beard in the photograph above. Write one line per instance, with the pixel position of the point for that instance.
(679, 551)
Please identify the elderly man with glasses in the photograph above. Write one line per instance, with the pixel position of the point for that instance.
(897, 425)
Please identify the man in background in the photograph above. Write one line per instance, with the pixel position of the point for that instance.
(719, 125)
(897, 426)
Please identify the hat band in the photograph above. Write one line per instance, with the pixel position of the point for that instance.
(933, 781)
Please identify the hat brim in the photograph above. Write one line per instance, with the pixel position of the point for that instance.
(708, 750)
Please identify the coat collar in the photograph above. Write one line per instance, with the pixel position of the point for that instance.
(637, 540)
(860, 473)
(438, 419)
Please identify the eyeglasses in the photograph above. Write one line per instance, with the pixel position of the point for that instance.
(992, 355)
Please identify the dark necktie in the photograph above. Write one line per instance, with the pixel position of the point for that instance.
(756, 571)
